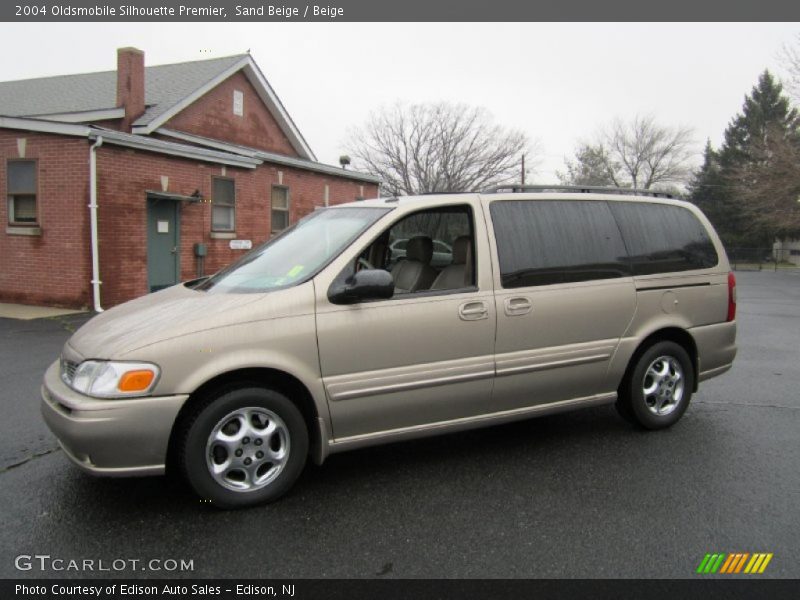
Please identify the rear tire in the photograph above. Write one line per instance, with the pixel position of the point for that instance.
(657, 390)
(244, 447)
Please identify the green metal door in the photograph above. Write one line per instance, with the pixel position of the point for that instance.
(163, 243)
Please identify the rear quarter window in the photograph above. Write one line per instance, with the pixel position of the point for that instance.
(661, 238)
(543, 242)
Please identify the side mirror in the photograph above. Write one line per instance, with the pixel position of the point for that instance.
(368, 284)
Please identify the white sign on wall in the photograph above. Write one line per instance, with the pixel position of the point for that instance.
(241, 244)
(238, 103)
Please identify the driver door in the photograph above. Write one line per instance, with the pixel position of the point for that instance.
(420, 358)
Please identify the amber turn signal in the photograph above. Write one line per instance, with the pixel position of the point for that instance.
(135, 381)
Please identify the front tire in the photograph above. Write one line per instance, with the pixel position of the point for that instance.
(657, 390)
(244, 447)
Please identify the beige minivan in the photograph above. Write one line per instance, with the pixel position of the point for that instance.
(346, 331)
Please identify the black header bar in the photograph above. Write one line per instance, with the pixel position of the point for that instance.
(400, 11)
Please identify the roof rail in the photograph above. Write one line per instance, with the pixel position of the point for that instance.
(514, 188)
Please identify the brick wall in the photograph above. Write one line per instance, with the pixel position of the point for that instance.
(54, 267)
(212, 116)
(124, 177)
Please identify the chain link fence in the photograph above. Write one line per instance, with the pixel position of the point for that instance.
(763, 259)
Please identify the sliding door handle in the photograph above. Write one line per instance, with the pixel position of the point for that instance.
(517, 306)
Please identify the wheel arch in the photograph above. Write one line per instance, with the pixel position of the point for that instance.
(275, 379)
(671, 334)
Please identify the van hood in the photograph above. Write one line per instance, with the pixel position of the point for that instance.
(160, 316)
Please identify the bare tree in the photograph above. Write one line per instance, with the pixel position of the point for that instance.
(790, 60)
(438, 147)
(638, 153)
(648, 153)
(768, 185)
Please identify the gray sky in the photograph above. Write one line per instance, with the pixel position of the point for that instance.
(556, 82)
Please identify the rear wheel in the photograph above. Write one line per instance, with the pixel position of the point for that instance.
(244, 447)
(657, 390)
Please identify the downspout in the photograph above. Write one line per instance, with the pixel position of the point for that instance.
(93, 219)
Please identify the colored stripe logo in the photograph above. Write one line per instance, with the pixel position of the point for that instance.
(733, 563)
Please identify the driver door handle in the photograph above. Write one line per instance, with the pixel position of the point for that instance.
(473, 311)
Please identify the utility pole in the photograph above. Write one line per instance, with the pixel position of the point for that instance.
(523, 168)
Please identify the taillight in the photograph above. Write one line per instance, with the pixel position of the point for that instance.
(731, 296)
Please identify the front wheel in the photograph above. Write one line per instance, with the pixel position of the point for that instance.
(656, 392)
(245, 447)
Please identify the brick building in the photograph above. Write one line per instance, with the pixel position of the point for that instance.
(118, 182)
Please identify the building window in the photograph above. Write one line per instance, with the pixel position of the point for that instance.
(280, 208)
(223, 200)
(21, 189)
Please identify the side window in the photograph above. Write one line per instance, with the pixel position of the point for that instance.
(443, 227)
(223, 210)
(543, 242)
(427, 250)
(661, 238)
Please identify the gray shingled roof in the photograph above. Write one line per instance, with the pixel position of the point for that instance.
(165, 86)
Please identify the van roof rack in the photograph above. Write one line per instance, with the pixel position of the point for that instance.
(575, 189)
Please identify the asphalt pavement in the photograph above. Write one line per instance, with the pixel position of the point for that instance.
(574, 495)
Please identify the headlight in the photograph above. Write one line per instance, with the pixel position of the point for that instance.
(105, 379)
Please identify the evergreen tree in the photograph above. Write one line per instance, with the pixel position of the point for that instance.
(709, 191)
(743, 188)
(766, 111)
(591, 166)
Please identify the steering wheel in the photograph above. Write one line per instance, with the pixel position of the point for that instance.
(364, 263)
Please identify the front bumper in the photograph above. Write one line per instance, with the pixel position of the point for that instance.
(109, 437)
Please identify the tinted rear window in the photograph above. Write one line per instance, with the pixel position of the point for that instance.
(661, 238)
(542, 242)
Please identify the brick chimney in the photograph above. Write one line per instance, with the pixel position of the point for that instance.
(130, 84)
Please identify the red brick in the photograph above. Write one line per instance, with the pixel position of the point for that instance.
(55, 268)
(212, 116)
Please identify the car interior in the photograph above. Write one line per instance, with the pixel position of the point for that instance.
(428, 250)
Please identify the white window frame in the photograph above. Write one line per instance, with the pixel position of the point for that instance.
(216, 205)
(12, 194)
(273, 210)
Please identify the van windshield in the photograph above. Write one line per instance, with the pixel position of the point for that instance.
(296, 254)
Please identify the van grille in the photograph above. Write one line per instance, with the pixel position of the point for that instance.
(68, 370)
